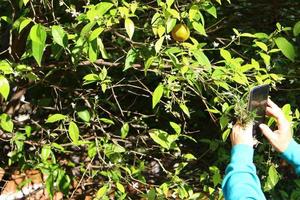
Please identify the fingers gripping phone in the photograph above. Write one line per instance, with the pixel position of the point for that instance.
(257, 103)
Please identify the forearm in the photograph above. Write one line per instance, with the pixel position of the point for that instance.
(241, 181)
(292, 155)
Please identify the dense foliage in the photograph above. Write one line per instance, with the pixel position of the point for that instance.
(100, 98)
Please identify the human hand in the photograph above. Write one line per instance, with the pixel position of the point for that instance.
(280, 138)
(242, 135)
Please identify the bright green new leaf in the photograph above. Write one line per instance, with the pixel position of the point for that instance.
(24, 23)
(262, 45)
(55, 118)
(185, 109)
(129, 26)
(124, 130)
(4, 87)
(225, 134)
(103, 7)
(120, 187)
(160, 137)
(107, 121)
(171, 22)
(95, 33)
(130, 58)
(225, 54)
(159, 43)
(296, 29)
(286, 48)
(59, 36)
(170, 2)
(38, 38)
(101, 192)
(176, 127)
(73, 132)
(194, 10)
(6, 123)
(199, 28)
(211, 10)
(84, 115)
(5, 67)
(25, 2)
(157, 94)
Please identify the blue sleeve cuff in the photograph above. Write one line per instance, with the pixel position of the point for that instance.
(242, 153)
(292, 155)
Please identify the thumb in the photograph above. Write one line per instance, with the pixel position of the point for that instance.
(268, 133)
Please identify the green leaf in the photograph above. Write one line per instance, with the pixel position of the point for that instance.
(225, 134)
(103, 7)
(160, 137)
(199, 28)
(185, 109)
(90, 78)
(225, 54)
(211, 10)
(4, 87)
(59, 36)
(24, 23)
(266, 58)
(5, 67)
(107, 121)
(45, 153)
(159, 43)
(201, 58)
(286, 48)
(84, 115)
(101, 192)
(129, 26)
(25, 2)
(262, 45)
(120, 187)
(170, 2)
(55, 118)
(95, 33)
(93, 50)
(151, 194)
(38, 38)
(193, 12)
(6, 123)
(130, 58)
(296, 29)
(157, 94)
(272, 179)
(176, 127)
(171, 22)
(73, 132)
(124, 130)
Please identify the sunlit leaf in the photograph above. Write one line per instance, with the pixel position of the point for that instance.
(129, 26)
(4, 87)
(286, 48)
(38, 38)
(55, 118)
(73, 132)
(59, 36)
(157, 94)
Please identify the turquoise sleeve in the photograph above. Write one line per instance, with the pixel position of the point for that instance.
(241, 181)
(292, 155)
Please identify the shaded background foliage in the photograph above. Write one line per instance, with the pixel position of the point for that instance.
(111, 111)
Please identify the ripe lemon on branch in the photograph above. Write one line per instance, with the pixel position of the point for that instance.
(180, 33)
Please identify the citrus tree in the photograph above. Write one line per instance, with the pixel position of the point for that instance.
(124, 99)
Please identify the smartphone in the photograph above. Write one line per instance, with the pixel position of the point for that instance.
(257, 103)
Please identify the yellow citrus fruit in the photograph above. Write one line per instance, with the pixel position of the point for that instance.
(180, 33)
